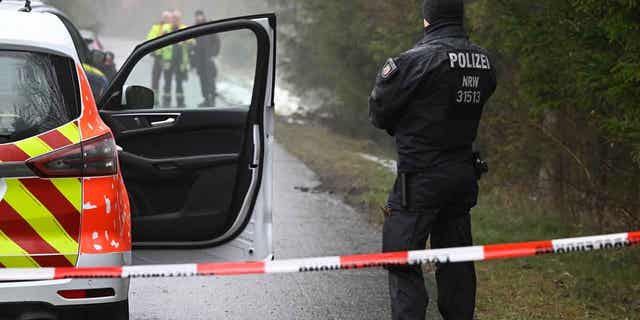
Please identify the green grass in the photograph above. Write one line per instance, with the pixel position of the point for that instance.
(597, 285)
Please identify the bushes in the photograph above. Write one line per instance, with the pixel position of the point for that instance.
(564, 125)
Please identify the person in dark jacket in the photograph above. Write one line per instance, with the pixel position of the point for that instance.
(203, 53)
(109, 65)
(431, 99)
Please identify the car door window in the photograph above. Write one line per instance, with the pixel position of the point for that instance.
(213, 71)
(187, 110)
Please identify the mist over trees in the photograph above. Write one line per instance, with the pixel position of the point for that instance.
(564, 126)
(133, 18)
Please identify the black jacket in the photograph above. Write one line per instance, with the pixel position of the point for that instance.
(206, 48)
(431, 99)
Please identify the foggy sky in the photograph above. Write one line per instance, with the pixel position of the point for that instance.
(133, 18)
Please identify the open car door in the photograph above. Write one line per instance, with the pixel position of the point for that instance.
(192, 112)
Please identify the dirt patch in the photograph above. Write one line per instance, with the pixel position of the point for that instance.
(338, 161)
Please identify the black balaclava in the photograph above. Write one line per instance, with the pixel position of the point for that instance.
(443, 12)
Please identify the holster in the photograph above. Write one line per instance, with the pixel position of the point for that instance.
(404, 189)
(481, 166)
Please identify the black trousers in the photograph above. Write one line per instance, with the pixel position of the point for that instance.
(207, 72)
(156, 73)
(169, 74)
(438, 207)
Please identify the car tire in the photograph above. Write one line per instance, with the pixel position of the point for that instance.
(111, 311)
(118, 311)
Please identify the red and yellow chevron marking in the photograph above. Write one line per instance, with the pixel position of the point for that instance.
(39, 218)
(44, 143)
(11, 153)
(40, 223)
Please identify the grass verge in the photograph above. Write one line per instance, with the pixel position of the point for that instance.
(598, 285)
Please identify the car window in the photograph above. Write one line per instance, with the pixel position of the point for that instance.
(214, 71)
(37, 94)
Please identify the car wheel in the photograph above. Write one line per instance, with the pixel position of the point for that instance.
(117, 311)
(111, 311)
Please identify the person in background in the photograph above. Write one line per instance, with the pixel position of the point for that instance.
(109, 66)
(97, 79)
(175, 64)
(431, 99)
(158, 30)
(202, 55)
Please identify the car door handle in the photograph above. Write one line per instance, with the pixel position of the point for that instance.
(166, 122)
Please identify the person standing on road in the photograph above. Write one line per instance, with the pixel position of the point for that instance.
(203, 53)
(431, 99)
(109, 65)
(175, 60)
(158, 30)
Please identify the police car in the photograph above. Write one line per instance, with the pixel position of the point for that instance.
(93, 183)
(91, 57)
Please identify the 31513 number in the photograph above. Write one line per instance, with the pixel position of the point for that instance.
(469, 96)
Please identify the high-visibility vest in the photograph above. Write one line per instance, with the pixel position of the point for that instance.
(167, 52)
(93, 70)
(156, 31)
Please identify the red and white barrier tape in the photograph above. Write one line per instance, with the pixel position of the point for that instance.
(449, 255)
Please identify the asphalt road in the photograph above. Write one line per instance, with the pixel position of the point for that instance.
(305, 224)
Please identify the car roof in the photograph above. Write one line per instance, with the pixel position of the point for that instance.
(37, 29)
(17, 4)
(36, 6)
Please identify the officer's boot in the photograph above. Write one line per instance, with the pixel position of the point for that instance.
(166, 100)
(205, 104)
(156, 96)
(212, 101)
(180, 98)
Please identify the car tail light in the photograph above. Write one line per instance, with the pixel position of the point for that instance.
(87, 293)
(95, 157)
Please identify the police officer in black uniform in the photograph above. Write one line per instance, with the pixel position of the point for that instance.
(431, 99)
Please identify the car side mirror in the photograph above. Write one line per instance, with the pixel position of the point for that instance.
(138, 97)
